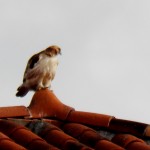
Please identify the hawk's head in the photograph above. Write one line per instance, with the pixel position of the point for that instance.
(53, 50)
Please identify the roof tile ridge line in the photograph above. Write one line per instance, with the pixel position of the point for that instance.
(132, 127)
(38, 109)
(100, 120)
(12, 111)
(70, 115)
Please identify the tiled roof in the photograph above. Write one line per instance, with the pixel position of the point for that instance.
(48, 124)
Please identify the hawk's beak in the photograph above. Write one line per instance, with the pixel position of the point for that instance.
(60, 53)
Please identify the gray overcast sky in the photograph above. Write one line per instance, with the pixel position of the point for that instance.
(105, 66)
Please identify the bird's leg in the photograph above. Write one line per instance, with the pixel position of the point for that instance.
(47, 84)
(40, 85)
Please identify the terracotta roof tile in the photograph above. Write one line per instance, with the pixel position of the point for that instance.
(7, 144)
(13, 111)
(48, 124)
(54, 135)
(136, 128)
(89, 136)
(130, 142)
(56, 109)
(92, 119)
(83, 133)
(53, 107)
(147, 131)
(107, 145)
(22, 135)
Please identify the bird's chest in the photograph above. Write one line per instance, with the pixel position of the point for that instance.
(49, 64)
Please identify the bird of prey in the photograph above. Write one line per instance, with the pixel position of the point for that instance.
(40, 71)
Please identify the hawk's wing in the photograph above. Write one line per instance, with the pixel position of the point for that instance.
(30, 72)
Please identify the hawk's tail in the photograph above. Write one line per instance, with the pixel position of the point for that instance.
(22, 91)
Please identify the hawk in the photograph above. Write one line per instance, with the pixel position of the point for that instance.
(40, 70)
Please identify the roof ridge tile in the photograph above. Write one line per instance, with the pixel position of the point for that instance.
(53, 108)
(132, 127)
(12, 111)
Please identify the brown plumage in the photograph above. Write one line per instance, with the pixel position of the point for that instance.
(40, 71)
